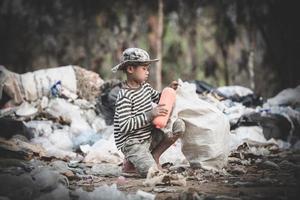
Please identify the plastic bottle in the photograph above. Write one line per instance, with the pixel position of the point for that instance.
(168, 96)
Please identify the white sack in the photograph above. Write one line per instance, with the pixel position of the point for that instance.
(205, 141)
(38, 83)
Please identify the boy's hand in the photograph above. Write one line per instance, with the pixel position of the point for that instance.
(159, 110)
(174, 85)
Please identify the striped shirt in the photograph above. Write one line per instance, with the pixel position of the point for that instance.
(130, 120)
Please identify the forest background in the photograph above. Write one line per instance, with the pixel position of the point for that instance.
(251, 43)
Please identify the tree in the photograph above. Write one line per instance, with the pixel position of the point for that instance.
(159, 44)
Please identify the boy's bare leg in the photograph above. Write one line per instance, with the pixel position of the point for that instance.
(178, 130)
(163, 146)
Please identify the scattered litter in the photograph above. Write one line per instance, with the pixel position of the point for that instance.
(145, 195)
(235, 90)
(164, 189)
(106, 169)
(270, 165)
(157, 177)
(70, 118)
(287, 97)
(26, 110)
(121, 180)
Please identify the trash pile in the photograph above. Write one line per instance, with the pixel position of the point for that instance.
(57, 113)
(64, 115)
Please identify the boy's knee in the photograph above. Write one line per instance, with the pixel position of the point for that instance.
(139, 155)
(178, 127)
(144, 167)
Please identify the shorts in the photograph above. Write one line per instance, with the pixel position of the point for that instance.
(139, 152)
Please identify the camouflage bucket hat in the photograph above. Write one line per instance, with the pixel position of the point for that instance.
(133, 56)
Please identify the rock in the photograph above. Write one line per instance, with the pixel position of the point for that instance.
(18, 187)
(62, 168)
(47, 179)
(164, 189)
(61, 192)
(286, 165)
(106, 169)
(15, 148)
(270, 165)
(145, 195)
(11, 127)
(243, 184)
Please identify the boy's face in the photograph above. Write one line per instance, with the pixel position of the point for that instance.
(139, 73)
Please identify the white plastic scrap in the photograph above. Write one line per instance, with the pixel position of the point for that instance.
(289, 96)
(235, 90)
(103, 151)
(252, 134)
(40, 128)
(26, 110)
(60, 108)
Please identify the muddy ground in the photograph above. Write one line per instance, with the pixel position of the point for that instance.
(252, 173)
(248, 176)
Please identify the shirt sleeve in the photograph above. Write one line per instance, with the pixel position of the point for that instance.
(155, 95)
(127, 121)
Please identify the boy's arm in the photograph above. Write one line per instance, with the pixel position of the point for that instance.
(127, 121)
(155, 95)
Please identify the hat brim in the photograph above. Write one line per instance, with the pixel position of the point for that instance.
(123, 64)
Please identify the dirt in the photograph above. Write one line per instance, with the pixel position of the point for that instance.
(252, 173)
(273, 176)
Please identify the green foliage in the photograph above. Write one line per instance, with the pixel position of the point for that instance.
(204, 40)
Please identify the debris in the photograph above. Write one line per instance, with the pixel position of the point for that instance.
(157, 177)
(243, 184)
(248, 134)
(106, 100)
(88, 83)
(26, 110)
(106, 169)
(164, 189)
(287, 97)
(104, 151)
(16, 148)
(121, 180)
(234, 90)
(10, 127)
(270, 165)
(145, 195)
(287, 165)
(107, 192)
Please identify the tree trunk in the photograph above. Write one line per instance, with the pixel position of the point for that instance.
(158, 84)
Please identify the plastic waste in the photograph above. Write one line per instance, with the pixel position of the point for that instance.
(168, 96)
(121, 180)
(55, 89)
(145, 195)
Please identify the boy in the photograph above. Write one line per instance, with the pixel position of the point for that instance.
(134, 133)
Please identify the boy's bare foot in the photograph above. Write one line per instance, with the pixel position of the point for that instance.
(159, 167)
(128, 167)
